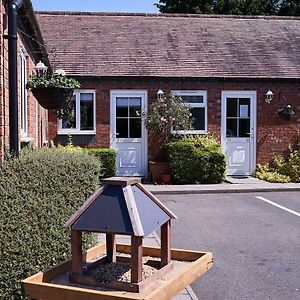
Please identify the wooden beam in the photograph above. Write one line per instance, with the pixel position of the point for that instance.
(123, 181)
(76, 245)
(166, 243)
(111, 247)
(136, 259)
(133, 211)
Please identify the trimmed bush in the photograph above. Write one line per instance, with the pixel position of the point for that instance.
(39, 192)
(107, 158)
(196, 160)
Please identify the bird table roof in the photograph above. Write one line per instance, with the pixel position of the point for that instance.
(122, 206)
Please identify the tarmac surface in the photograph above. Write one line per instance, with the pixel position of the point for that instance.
(255, 244)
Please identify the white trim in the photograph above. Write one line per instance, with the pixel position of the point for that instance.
(76, 130)
(23, 94)
(235, 94)
(131, 93)
(204, 105)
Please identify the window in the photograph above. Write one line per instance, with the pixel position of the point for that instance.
(238, 117)
(23, 94)
(197, 101)
(82, 119)
(129, 117)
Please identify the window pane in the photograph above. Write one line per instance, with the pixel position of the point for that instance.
(86, 113)
(198, 114)
(86, 97)
(122, 107)
(70, 121)
(232, 107)
(122, 128)
(244, 127)
(135, 107)
(244, 108)
(135, 128)
(231, 129)
(192, 99)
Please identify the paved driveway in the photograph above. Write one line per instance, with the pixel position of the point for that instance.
(256, 245)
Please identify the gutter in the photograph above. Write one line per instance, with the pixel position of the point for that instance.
(13, 7)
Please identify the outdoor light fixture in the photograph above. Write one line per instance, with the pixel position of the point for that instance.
(160, 94)
(41, 69)
(269, 96)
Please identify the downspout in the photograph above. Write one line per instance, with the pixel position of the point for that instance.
(13, 6)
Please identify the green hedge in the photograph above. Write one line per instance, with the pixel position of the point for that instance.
(39, 192)
(107, 158)
(196, 160)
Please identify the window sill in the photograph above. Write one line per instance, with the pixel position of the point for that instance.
(76, 132)
(27, 140)
(184, 132)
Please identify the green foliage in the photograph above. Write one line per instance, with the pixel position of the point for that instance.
(168, 113)
(107, 158)
(52, 81)
(196, 160)
(267, 173)
(282, 169)
(231, 7)
(39, 192)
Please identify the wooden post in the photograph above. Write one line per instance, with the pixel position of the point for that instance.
(166, 243)
(136, 258)
(76, 245)
(111, 247)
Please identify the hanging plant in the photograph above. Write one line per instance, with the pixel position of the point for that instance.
(54, 91)
(286, 112)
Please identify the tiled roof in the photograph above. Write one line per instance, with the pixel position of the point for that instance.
(104, 44)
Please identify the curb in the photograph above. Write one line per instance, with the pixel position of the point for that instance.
(224, 191)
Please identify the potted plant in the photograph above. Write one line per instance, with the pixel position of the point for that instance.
(53, 91)
(165, 117)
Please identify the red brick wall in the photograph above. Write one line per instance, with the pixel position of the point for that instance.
(37, 116)
(273, 133)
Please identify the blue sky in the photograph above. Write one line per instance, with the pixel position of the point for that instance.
(97, 5)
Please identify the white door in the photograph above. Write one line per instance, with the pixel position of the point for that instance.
(128, 134)
(239, 131)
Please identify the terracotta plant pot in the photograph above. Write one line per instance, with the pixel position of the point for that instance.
(166, 178)
(53, 98)
(157, 169)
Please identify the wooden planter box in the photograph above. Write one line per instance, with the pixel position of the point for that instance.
(53, 98)
(187, 266)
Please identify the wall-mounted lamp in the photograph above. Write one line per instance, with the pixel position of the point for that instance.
(41, 69)
(269, 96)
(160, 94)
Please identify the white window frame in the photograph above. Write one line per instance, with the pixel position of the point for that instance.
(23, 94)
(193, 105)
(77, 130)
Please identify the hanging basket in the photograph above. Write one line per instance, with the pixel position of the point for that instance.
(53, 98)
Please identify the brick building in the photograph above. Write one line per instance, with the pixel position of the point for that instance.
(222, 66)
(33, 119)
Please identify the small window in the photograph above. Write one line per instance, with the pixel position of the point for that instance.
(82, 118)
(23, 95)
(197, 102)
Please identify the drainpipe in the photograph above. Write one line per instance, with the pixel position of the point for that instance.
(13, 6)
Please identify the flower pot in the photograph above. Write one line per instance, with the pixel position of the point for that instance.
(53, 98)
(157, 169)
(166, 178)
